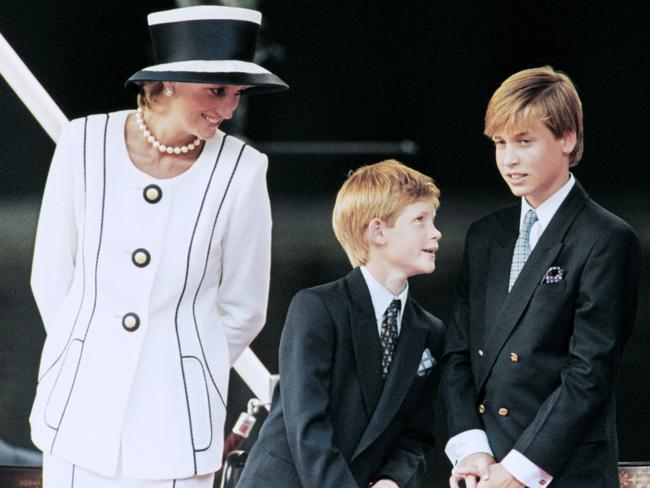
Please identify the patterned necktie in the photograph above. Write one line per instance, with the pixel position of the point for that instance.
(389, 335)
(522, 247)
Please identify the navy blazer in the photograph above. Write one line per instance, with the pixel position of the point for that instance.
(334, 421)
(535, 367)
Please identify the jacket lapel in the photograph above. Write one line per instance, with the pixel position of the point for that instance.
(500, 260)
(506, 319)
(408, 354)
(365, 340)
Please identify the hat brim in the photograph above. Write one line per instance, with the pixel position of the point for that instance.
(257, 82)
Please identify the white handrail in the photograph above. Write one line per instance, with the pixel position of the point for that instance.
(30, 91)
(52, 119)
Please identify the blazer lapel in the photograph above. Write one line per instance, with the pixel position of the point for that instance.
(500, 260)
(501, 326)
(365, 340)
(408, 354)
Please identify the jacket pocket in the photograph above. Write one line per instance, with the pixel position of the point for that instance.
(198, 399)
(274, 470)
(545, 289)
(62, 388)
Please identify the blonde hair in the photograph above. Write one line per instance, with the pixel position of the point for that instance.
(376, 191)
(537, 94)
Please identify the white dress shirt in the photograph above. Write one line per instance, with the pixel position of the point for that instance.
(545, 211)
(381, 299)
(475, 440)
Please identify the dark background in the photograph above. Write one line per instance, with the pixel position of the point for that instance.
(418, 73)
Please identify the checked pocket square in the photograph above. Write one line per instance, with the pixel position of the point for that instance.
(554, 274)
(426, 363)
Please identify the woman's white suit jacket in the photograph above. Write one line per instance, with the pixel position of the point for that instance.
(149, 289)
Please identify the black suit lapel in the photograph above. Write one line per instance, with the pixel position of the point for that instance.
(365, 340)
(411, 343)
(500, 259)
(542, 257)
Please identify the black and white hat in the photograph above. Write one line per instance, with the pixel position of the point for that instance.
(207, 44)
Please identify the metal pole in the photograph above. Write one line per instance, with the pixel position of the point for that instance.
(30, 91)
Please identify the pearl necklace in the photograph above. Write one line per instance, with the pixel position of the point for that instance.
(155, 143)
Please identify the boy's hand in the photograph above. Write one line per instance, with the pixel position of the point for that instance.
(471, 469)
(385, 483)
(500, 477)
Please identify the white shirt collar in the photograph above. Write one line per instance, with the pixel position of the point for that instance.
(546, 210)
(381, 297)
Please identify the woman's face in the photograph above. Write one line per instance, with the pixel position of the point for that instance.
(199, 109)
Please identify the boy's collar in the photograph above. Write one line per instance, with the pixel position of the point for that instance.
(380, 296)
(546, 210)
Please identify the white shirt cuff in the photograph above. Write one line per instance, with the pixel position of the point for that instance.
(466, 443)
(525, 470)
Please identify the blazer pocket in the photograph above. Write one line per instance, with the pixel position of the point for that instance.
(62, 387)
(544, 289)
(279, 457)
(427, 362)
(274, 470)
(198, 399)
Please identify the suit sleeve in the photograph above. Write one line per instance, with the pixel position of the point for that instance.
(244, 288)
(605, 308)
(406, 461)
(56, 234)
(458, 380)
(306, 350)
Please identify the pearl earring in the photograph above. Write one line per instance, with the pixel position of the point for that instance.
(169, 92)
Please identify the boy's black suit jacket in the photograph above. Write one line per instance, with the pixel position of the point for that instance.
(334, 422)
(541, 360)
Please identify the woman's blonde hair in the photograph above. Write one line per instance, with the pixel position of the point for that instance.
(381, 191)
(537, 94)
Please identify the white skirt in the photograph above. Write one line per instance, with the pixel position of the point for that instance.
(61, 474)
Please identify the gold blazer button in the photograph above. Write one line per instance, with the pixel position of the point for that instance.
(514, 357)
(503, 412)
(481, 409)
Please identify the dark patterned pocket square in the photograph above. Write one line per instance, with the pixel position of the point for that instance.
(426, 363)
(555, 274)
